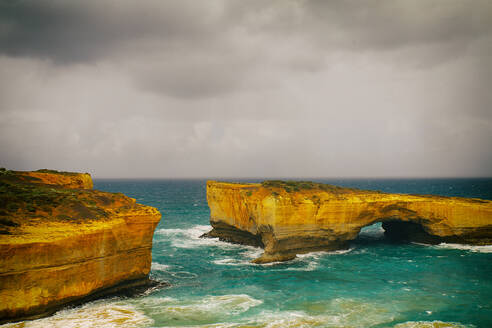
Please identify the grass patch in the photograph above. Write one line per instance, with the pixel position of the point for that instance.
(294, 186)
(21, 200)
(56, 172)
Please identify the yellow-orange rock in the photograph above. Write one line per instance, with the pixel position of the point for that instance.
(288, 218)
(65, 179)
(61, 245)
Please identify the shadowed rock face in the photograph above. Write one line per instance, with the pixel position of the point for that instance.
(289, 218)
(61, 245)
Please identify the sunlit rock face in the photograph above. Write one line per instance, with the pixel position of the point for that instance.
(64, 179)
(289, 218)
(61, 244)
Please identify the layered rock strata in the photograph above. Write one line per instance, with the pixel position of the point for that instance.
(289, 218)
(60, 245)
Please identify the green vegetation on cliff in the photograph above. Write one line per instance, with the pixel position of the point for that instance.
(56, 172)
(23, 201)
(292, 186)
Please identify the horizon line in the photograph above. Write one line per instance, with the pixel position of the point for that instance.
(295, 177)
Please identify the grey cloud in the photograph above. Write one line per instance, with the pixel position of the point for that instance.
(172, 47)
(391, 24)
(247, 88)
(73, 31)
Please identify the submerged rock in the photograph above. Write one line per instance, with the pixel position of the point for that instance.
(62, 242)
(289, 218)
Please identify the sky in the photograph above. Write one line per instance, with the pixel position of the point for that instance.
(235, 88)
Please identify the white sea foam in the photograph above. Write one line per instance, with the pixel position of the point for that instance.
(190, 238)
(431, 324)
(312, 259)
(294, 319)
(471, 248)
(252, 252)
(309, 261)
(338, 313)
(208, 308)
(193, 232)
(159, 267)
(184, 275)
(177, 274)
(318, 255)
(233, 262)
(97, 314)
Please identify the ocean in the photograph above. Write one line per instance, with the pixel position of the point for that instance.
(374, 283)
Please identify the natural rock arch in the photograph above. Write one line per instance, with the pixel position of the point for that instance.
(289, 218)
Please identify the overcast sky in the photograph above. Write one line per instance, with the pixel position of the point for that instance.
(241, 88)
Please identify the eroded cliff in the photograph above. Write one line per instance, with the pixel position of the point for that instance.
(59, 245)
(289, 218)
(51, 177)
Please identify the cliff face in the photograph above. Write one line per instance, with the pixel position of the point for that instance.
(59, 245)
(288, 218)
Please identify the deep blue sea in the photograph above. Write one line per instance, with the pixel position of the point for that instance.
(373, 284)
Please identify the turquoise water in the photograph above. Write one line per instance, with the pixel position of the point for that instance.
(373, 284)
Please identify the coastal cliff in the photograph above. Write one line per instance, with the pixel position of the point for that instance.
(65, 179)
(62, 242)
(289, 218)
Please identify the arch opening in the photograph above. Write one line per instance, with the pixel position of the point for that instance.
(407, 231)
(395, 230)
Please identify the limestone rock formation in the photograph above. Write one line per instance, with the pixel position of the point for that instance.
(289, 218)
(60, 245)
(51, 177)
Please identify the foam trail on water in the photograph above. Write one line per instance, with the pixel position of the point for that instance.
(471, 248)
(463, 247)
(317, 255)
(312, 259)
(159, 267)
(206, 309)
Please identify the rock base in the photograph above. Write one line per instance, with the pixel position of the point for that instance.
(133, 288)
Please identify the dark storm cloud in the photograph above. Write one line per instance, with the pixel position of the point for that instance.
(176, 45)
(83, 30)
(71, 31)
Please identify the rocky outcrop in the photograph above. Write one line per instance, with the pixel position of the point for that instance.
(51, 177)
(61, 245)
(289, 218)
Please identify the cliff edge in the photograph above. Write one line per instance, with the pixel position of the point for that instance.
(62, 242)
(289, 218)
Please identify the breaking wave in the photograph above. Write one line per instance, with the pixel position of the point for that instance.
(190, 238)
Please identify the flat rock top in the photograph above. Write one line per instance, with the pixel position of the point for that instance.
(299, 189)
(35, 209)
